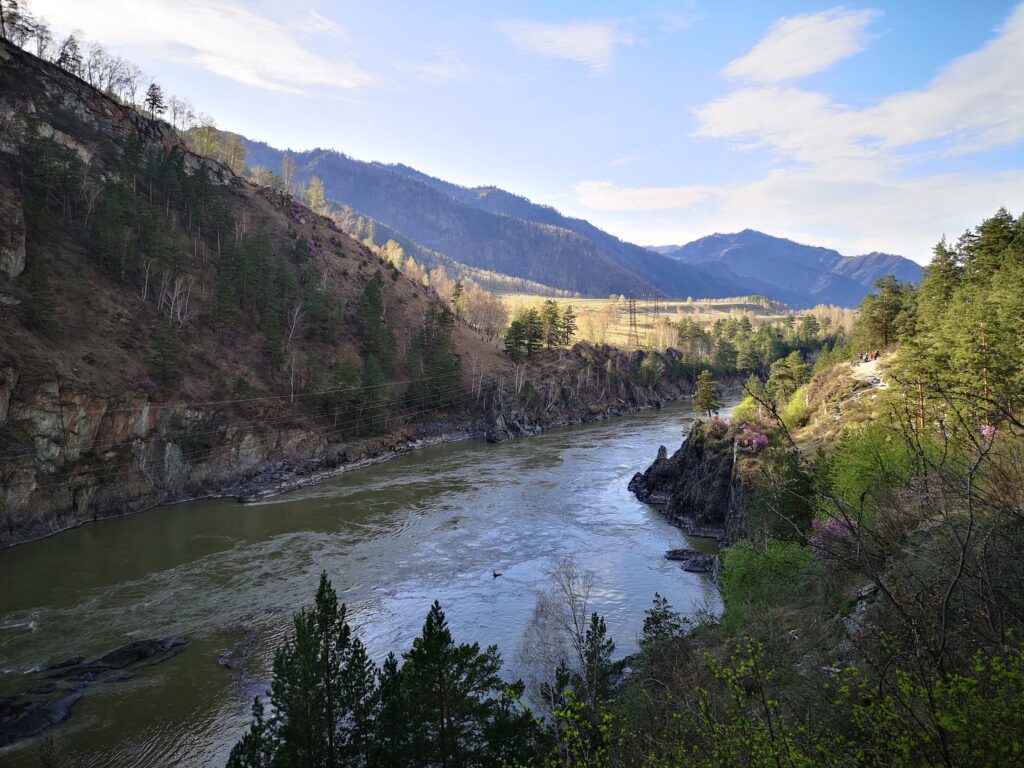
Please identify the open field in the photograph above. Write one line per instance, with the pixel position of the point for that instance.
(607, 321)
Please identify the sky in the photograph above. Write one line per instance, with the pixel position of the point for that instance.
(881, 126)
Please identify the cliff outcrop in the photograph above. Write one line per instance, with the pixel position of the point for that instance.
(699, 487)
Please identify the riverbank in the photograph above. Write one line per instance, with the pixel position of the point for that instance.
(87, 458)
(431, 524)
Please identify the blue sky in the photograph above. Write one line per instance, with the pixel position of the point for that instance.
(875, 126)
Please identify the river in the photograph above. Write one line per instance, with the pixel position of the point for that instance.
(434, 524)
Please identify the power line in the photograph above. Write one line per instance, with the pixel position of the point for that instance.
(195, 406)
(633, 338)
(364, 416)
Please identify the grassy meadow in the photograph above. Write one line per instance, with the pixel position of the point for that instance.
(606, 320)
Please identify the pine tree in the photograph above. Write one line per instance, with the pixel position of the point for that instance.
(597, 662)
(533, 332)
(41, 305)
(515, 339)
(458, 292)
(787, 376)
(323, 696)
(166, 352)
(69, 58)
(154, 101)
(378, 340)
(569, 325)
(551, 322)
(706, 399)
(456, 699)
(374, 394)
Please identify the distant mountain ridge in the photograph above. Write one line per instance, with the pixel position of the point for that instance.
(491, 229)
(819, 272)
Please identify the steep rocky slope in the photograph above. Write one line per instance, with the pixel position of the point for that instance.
(168, 330)
(494, 230)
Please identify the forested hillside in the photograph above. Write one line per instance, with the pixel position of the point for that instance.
(495, 231)
(136, 273)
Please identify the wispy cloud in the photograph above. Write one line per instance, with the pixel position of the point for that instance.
(870, 176)
(446, 67)
(608, 196)
(797, 46)
(314, 23)
(975, 103)
(591, 43)
(220, 36)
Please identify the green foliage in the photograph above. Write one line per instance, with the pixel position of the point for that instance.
(377, 339)
(323, 695)
(867, 463)
(515, 339)
(747, 410)
(705, 398)
(787, 375)
(796, 411)
(374, 395)
(41, 305)
(531, 330)
(651, 370)
(434, 360)
(166, 352)
(831, 354)
(753, 578)
(886, 315)
(445, 705)
(970, 718)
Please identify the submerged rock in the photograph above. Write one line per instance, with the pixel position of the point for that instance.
(49, 702)
(21, 716)
(692, 561)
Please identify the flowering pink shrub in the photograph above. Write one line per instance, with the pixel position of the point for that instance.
(754, 437)
(830, 536)
(988, 430)
(717, 426)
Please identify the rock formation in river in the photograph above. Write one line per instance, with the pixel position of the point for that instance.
(698, 487)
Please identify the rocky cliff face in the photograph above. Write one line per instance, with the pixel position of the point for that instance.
(698, 487)
(71, 456)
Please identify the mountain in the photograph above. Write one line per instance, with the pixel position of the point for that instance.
(491, 229)
(823, 275)
(663, 249)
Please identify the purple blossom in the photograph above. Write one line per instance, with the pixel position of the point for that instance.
(829, 536)
(988, 430)
(753, 437)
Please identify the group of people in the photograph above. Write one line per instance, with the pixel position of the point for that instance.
(867, 357)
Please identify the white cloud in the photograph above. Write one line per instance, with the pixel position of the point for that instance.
(797, 46)
(220, 36)
(588, 42)
(905, 216)
(975, 103)
(445, 68)
(857, 179)
(607, 196)
(314, 23)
